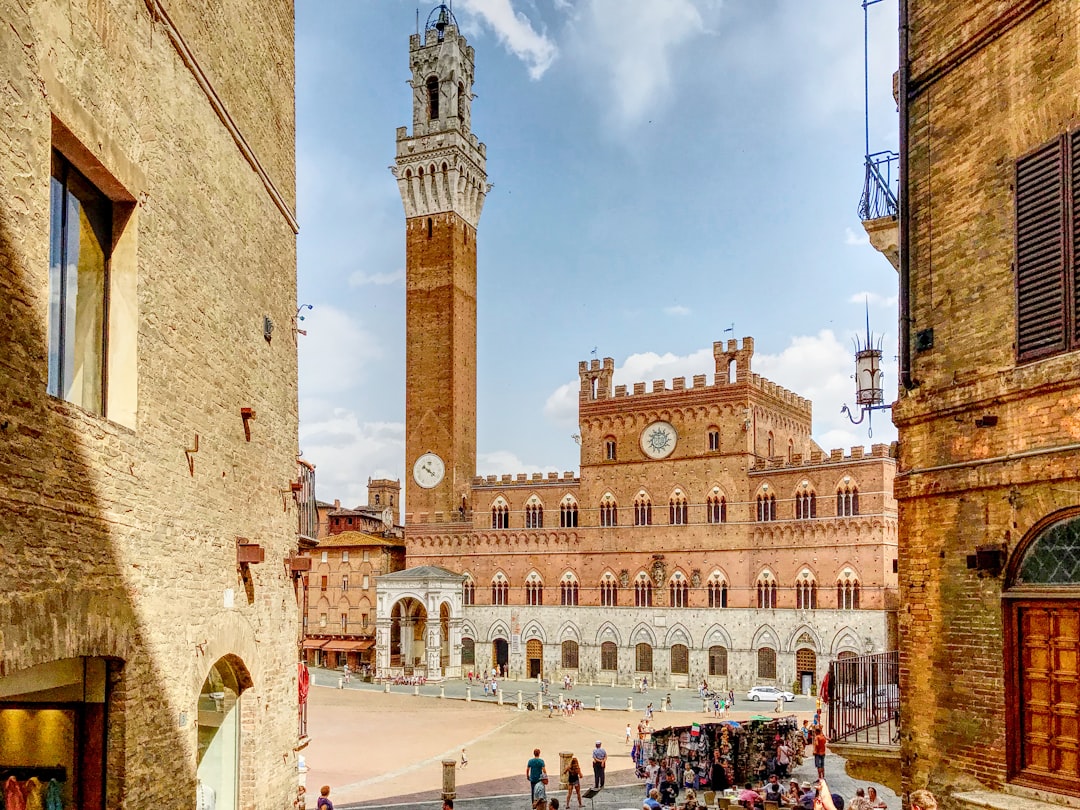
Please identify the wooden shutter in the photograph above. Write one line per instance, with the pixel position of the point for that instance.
(1040, 251)
(1073, 285)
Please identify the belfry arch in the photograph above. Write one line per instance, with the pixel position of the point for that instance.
(418, 623)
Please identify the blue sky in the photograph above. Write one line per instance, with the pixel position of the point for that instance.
(662, 169)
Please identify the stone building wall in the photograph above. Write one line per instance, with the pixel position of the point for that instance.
(111, 545)
(989, 82)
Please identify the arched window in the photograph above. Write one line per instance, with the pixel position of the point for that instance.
(766, 507)
(568, 517)
(468, 651)
(500, 514)
(461, 100)
(766, 663)
(609, 591)
(718, 660)
(680, 659)
(766, 591)
(643, 658)
(679, 590)
(468, 592)
(609, 448)
(847, 500)
(643, 591)
(642, 510)
(609, 656)
(433, 98)
(500, 590)
(790, 450)
(568, 590)
(534, 514)
(717, 591)
(847, 592)
(713, 435)
(805, 505)
(769, 445)
(716, 508)
(678, 511)
(570, 655)
(609, 512)
(534, 590)
(806, 591)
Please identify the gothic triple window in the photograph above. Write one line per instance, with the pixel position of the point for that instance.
(500, 590)
(805, 505)
(766, 591)
(568, 590)
(534, 514)
(642, 510)
(717, 588)
(643, 591)
(609, 591)
(534, 590)
(678, 510)
(609, 512)
(500, 514)
(680, 590)
(716, 508)
(847, 500)
(568, 513)
(766, 507)
(847, 592)
(806, 592)
(468, 592)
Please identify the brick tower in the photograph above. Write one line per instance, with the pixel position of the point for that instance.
(440, 170)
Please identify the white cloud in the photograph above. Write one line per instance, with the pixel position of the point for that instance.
(818, 367)
(677, 310)
(874, 299)
(335, 352)
(515, 31)
(852, 238)
(358, 278)
(499, 462)
(346, 450)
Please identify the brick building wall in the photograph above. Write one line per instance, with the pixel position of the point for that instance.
(111, 545)
(988, 82)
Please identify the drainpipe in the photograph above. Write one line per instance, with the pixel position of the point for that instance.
(905, 262)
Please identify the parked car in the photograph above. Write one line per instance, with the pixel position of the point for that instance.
(769, 693)
(885, 697)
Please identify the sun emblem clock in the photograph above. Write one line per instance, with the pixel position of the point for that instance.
(658, 440)
(428, 470)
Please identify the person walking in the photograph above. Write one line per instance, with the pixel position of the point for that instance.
(599, 763)
(539, 794)
(535, 769)
(820, 741)
(573, 779)
(628, 734)
(464, 759)
(324, 802)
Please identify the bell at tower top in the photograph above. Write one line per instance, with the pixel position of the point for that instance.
(442, 74)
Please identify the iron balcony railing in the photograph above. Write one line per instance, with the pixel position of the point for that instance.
(864, 699)
(880, 186)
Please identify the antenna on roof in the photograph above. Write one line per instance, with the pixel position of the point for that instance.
(418, 20)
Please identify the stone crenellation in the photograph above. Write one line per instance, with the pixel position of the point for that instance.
(817, 457)
(524, 478)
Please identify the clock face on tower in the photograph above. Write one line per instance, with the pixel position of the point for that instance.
(428, 470)
(658, 440)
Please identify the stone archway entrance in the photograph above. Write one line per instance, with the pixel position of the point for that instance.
(500, 654)
(418, 623)
(408, 623)
(534, 657)
(219, 736)
(806, 670)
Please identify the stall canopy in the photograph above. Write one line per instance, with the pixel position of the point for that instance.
(314, 643)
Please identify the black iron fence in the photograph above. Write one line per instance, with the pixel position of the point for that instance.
(864, 699)
(880, 186)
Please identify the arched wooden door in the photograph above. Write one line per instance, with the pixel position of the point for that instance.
(534, 657)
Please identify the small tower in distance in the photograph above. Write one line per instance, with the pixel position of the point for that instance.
(441, 174)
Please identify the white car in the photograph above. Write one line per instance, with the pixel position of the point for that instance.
(768, 693)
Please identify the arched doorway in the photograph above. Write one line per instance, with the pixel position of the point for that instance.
(500, 654)
(408, 623)
(534, 657)
(219, 730)
(806, 670)
(444, 636)
(1042, 656)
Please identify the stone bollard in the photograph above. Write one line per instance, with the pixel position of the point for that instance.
(416, 690)
(564, 766)
(629, 704)
(442, 692)
(499, 697)
(597, 699)
(449, 778)
(560, 698)
(539, 700)
(663, 705)
(386, 686)
(340, 683)
(520, 704)
(468, 694)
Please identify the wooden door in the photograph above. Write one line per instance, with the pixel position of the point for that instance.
(1048, 674)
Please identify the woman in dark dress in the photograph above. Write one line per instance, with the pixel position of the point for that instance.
(717, 775)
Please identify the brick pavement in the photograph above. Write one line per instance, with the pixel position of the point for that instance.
(384, 750)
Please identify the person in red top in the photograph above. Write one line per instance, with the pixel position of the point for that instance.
(819, 752)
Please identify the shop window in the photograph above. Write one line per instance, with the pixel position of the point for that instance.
(766, 663)
(680, 660)
(570, 655)
(54, 725)
(718, 660)
(643, 658)
(219, 732)
(609, 656)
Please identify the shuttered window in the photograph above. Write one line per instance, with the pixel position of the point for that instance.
(1047, 246)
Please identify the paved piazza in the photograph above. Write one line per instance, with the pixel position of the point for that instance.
(379, 749)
